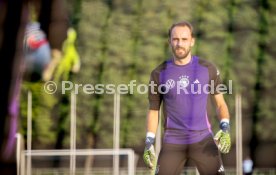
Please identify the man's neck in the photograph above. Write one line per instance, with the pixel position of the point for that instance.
(183, 61)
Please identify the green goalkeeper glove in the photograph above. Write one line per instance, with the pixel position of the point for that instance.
(149, 153)
(222, 138)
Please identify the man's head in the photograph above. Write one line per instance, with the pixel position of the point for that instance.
(181, 39)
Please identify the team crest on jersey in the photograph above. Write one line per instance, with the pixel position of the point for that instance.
(184, 81)
(170, 83)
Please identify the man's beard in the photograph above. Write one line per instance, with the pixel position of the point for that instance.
(181, 56)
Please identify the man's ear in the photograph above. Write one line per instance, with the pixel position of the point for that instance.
(193, 41)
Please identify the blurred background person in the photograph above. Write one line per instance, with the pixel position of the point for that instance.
(37, 52)
(51, 15)
(44, 37)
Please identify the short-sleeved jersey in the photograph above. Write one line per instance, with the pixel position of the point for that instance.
(184, 91)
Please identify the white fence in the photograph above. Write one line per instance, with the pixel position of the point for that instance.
(26, 167)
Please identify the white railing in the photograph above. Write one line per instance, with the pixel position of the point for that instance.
(78, 152)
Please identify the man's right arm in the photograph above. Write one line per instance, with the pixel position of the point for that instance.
(149, 152)
(155, 99)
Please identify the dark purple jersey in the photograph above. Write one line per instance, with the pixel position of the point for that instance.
(184, 91)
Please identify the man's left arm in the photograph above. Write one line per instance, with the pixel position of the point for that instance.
(222, 109)
(222, 137)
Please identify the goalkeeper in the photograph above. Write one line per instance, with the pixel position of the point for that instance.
(180, 84)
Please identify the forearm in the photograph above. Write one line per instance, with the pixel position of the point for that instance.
(221, 106)
(224, 117)
(152, 121)
(223, 112)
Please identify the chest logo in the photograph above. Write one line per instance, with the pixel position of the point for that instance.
(183, 81)
(170, 83)
(196, 81)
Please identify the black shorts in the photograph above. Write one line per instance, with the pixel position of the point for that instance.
(204, 154)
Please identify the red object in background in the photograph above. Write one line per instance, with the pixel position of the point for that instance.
(34, 42)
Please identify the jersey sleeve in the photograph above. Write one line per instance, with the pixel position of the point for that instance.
(155, 98)
(215, 80)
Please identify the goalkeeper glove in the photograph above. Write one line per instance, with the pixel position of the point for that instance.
(149, 153)
(222, 138)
